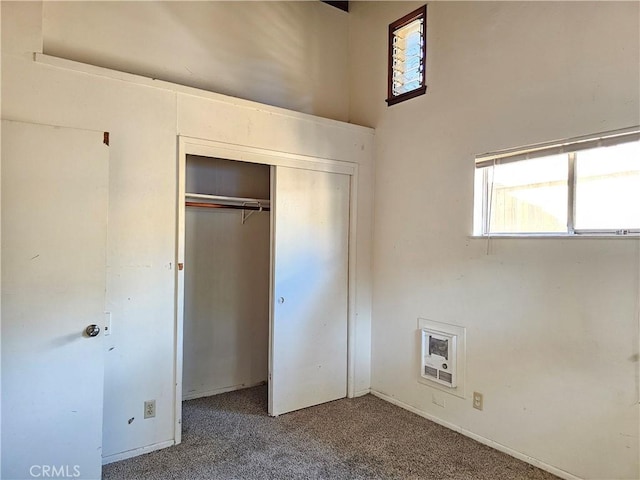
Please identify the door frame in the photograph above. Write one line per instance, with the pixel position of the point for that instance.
(244, 153)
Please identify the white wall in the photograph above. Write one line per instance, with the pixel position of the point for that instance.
(226, 281)
(552, 325)
(288, 54)
(144, 118)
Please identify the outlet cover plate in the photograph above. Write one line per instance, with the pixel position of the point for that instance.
(149, 409)
(478, 401)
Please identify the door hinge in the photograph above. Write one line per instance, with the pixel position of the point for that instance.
(106, 139)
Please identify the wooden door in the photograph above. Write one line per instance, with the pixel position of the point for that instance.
(54, 230)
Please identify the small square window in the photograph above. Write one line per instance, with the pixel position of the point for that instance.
(407, 56)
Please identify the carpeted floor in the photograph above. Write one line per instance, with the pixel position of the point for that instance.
(230, 437)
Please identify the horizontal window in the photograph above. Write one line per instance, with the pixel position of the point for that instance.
(583, 186)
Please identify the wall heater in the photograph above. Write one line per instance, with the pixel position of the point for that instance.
(439, 352)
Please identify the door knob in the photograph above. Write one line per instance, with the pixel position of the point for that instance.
(92, 330)
(281, 300)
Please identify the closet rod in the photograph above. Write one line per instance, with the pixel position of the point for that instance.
(235, 207)
(221, 198)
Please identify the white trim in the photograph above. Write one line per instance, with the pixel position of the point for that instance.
(179, 293)
(136, 451)
(272, 256)
(63, 63)
(218, 391)
(351, 287)
(485, 441)
(553, 236)
(362, 393)
(243, 153)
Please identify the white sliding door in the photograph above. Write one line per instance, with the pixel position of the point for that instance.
(308, 347)
(54, 229)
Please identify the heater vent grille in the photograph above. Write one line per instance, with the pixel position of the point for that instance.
(432, 372)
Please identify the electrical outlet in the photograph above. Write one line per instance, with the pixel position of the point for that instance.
(149, 409)
(477, 400)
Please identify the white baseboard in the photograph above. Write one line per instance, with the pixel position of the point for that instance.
(478, 438)
(217, 391)
(361, 393)
(116, 457)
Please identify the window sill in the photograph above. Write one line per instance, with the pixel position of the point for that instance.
(556, 236)
(406, 96)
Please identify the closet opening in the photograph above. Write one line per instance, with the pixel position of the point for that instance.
(265, 280)
(227, 233)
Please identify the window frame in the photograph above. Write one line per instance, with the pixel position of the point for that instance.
(485, 162)
(421, 90)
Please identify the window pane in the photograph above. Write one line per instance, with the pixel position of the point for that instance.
(407, 57)
(608, 188)
(529, 196)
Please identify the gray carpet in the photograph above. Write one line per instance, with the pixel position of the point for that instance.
(230, 436)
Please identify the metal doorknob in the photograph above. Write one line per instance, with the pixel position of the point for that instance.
(92, 330)
(281, 300)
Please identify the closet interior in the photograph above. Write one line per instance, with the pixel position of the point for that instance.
(226, 276)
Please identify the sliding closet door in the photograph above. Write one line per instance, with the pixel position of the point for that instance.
(308, 348)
